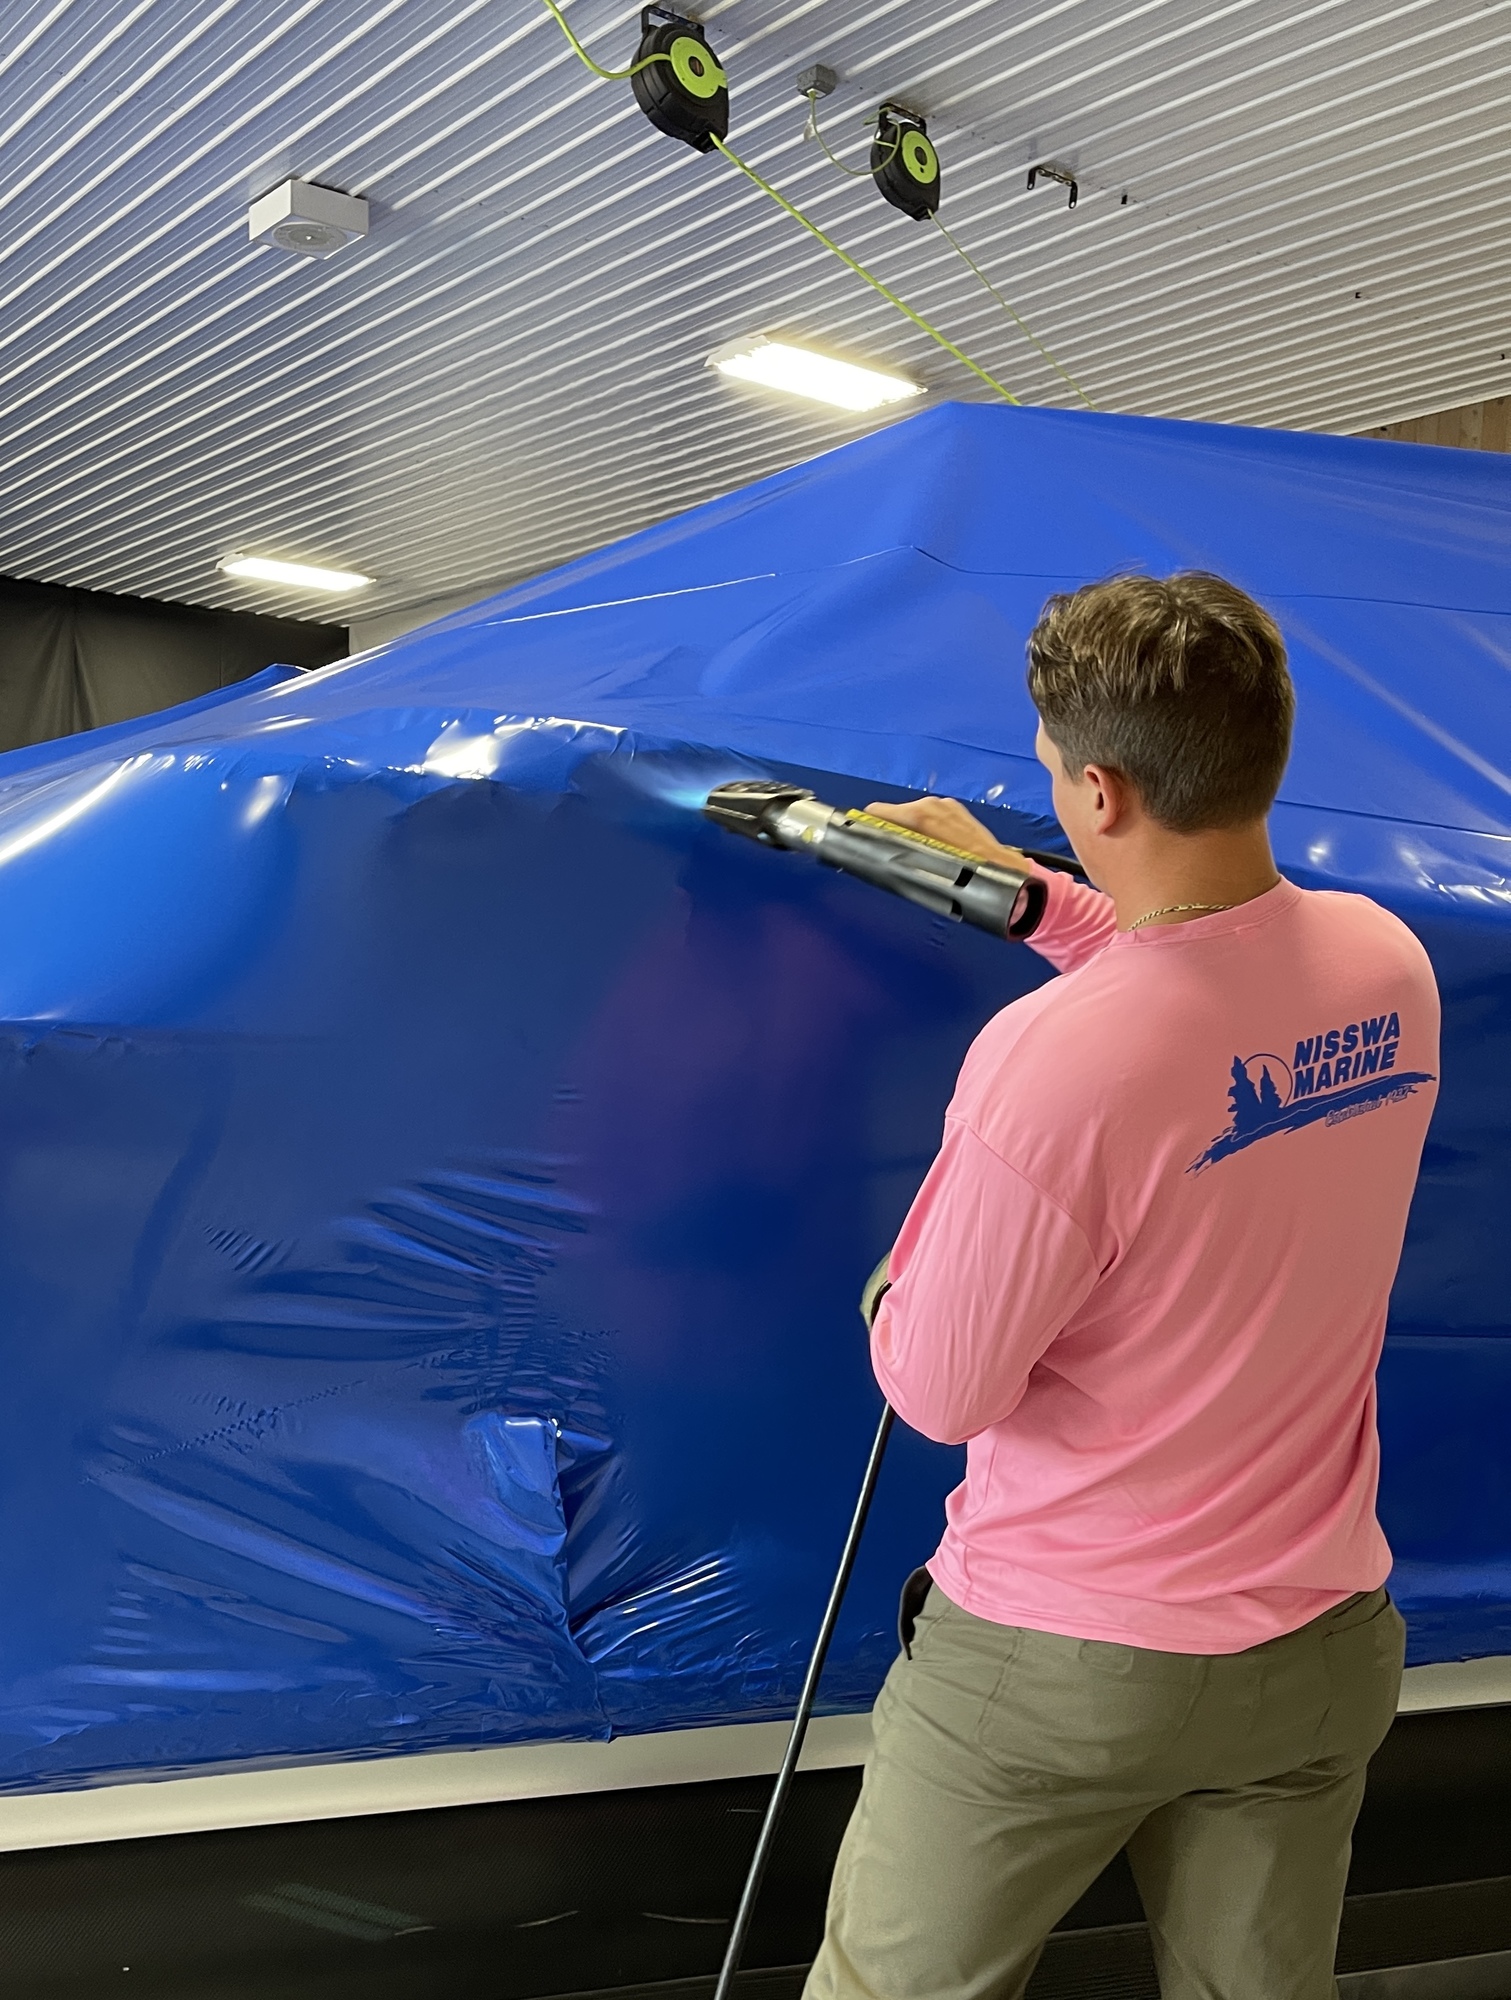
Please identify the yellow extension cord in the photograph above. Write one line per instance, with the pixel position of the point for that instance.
(869, 277)
(1022, 325)
(864, 173)
(608, 75)
(861, 272)
(855, 173)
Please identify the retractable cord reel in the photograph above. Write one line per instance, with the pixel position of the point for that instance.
(904, 165)
(678, 81)
(680, 85)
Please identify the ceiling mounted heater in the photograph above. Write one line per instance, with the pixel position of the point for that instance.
(308, 220)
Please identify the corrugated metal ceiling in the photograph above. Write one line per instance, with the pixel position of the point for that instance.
(509, 369)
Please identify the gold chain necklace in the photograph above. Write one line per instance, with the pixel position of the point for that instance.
(1172, 909)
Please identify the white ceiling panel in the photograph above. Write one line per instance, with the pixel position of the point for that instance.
(509, 369)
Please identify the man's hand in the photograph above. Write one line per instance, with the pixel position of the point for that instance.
(876, 1288)
(948, 820)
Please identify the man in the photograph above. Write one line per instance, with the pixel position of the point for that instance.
(1146, 1282)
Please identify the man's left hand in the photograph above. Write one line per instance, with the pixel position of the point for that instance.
(948, 820)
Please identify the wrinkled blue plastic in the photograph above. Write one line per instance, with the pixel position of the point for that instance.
(437, 1169)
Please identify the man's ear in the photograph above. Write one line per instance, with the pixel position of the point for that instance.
(1113, 796)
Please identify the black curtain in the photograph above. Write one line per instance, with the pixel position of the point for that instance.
(73, 659)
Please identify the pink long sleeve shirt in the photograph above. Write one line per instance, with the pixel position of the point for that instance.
(1146, 1278)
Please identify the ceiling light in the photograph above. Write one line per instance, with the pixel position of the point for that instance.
(303, 576)
(803, 371)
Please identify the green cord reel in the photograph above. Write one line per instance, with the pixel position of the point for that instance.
(679, 82)
(904, 165)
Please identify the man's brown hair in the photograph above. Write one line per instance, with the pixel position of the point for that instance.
(1179, 684)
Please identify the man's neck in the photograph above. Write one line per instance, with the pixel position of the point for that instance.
(1185, 876)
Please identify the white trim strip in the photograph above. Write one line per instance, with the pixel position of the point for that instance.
(1457, 1684)
(429, 1779)
(421, 1781)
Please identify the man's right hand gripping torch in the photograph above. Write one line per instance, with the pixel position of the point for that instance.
(1006, 901)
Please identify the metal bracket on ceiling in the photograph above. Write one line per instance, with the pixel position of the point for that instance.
(1049, 170)
(901, 115)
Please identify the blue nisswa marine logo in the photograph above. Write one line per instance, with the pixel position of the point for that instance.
(1330, 1077)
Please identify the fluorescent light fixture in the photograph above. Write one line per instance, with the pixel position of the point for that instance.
(302, 576)
(804, 371)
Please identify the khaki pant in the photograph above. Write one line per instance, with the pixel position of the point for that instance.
(1011, 1766)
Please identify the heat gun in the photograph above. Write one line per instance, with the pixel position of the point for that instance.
(1006, 901)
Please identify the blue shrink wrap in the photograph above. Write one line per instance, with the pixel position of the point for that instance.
(437, 1169)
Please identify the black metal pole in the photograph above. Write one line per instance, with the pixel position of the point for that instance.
(774, 1810)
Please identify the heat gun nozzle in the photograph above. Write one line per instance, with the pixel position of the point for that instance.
(752, 806)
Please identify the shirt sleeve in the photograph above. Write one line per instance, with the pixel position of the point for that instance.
(986, 1271)
(1077, 922)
